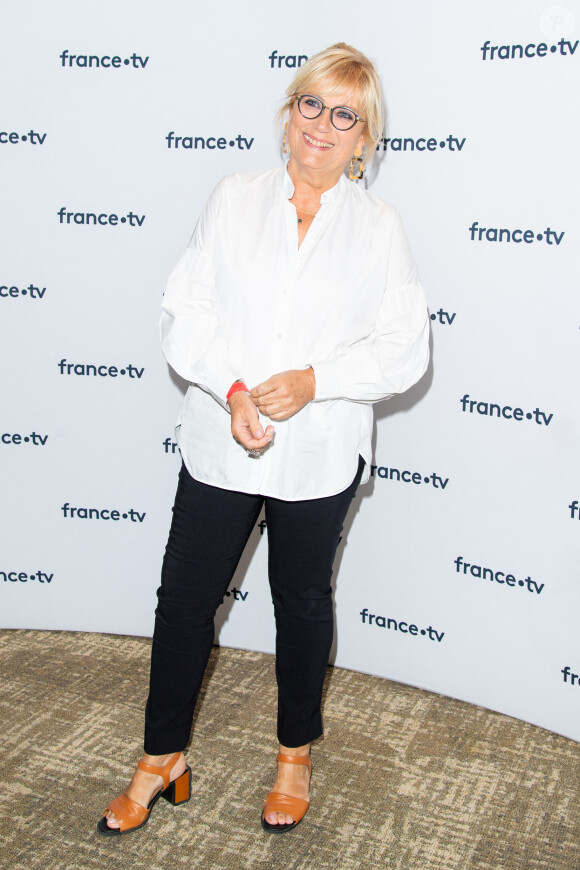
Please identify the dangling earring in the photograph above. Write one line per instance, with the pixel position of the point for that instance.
(285, 146)
(356, 170)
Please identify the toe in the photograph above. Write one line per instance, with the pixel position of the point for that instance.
(278, 819)
(112, 821)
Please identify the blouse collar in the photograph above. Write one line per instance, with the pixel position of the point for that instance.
(334, 195)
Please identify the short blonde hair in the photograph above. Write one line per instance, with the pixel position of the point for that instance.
(337, 69)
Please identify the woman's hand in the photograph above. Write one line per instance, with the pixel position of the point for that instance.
(246, 427)
(285, 394)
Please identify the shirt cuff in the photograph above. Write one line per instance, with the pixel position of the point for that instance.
(327, 374)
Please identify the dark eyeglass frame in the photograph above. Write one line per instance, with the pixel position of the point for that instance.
(332, 110)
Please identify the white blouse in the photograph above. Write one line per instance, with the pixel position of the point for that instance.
(245, 302)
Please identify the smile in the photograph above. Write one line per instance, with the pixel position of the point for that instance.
(317, 142)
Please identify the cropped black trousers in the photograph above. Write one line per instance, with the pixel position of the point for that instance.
(209, 531)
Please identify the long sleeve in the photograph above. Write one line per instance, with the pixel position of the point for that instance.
(192, 339)
(392, 357)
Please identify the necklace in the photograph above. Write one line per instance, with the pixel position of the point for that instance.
(308, 213)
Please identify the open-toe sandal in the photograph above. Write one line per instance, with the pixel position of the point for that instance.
(132, 815)
(276, 802)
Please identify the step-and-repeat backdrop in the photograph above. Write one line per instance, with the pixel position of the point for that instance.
(458, 570)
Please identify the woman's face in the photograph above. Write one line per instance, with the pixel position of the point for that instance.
(316, 144)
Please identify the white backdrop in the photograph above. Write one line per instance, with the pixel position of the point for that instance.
(464, 547)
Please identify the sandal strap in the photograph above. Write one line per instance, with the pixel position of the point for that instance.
(129, 813)
(295, 759)
(164, 772)
(276, 802)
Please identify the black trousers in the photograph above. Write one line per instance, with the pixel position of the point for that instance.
(209, 531)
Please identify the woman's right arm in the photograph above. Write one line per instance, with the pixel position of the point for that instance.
(191, 338)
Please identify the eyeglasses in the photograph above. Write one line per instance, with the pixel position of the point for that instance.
(341, 117)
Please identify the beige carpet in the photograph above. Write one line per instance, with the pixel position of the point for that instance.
(403, 779)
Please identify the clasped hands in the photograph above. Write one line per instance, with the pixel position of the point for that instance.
(278, 398)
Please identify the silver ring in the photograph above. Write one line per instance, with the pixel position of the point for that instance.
(254, 452)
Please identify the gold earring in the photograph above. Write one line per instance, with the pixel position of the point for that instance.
(285, 146)
(356, 169)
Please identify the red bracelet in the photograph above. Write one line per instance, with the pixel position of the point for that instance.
(235, 388)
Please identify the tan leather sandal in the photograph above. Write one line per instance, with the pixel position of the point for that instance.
(276, 802)
(132, 815)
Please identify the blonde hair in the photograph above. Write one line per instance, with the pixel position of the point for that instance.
(337, 69)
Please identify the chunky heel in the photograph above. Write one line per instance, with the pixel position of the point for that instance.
(179, 790)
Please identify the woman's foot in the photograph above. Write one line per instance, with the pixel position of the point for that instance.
(144, 785)
(292, 780)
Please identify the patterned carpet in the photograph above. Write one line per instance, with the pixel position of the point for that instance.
(403, 779)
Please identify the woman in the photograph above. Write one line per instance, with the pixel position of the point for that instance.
(301, 285)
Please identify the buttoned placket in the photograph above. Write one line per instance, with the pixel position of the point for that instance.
(297, 258)
(284, 303)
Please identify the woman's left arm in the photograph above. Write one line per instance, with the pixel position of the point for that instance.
(395, 354)
(389, 360)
